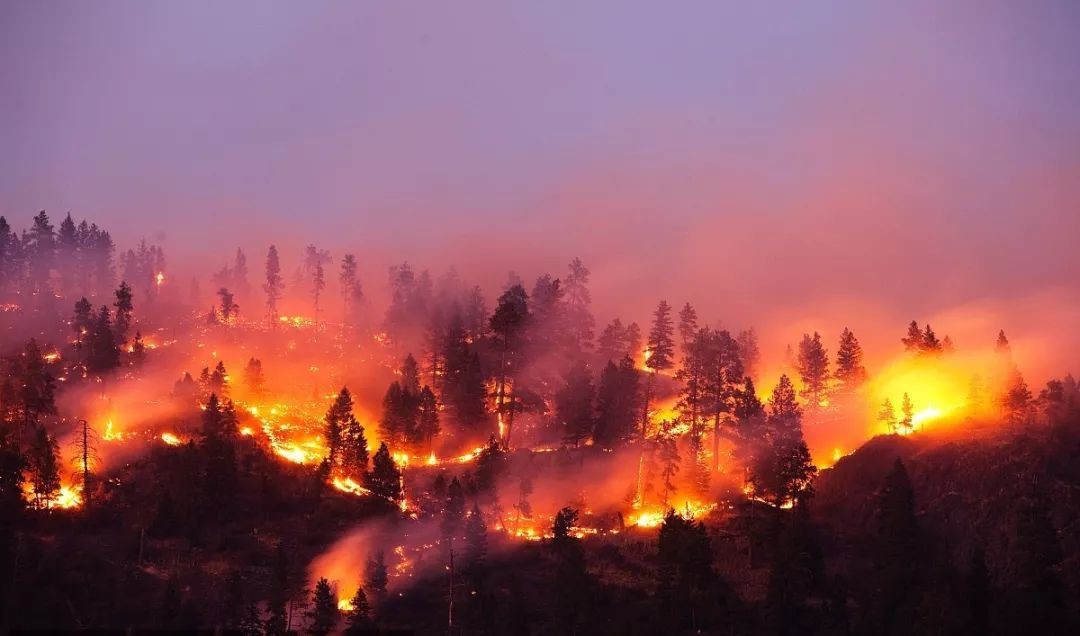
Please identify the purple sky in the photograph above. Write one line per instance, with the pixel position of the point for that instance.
(813, 156)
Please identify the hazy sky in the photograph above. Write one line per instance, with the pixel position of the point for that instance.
(804, 156)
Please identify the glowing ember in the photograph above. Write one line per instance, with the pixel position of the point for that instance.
(247, 431)
(927, 414)
(159, 278)
(347, 484)
(69, 497)
(170, 439)
(110, 435)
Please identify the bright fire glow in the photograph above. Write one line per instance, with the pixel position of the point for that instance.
(170, 439)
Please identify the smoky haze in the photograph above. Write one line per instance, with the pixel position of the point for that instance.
(792, 172)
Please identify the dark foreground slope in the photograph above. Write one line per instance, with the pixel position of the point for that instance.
(1005, 498)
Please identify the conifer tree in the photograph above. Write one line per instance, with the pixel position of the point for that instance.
(579, 319)
(254, 378)
(907, 414)
(574, 405)
(887, 416)
(453, 514)
(781, 470)
(138, 350)
(229, 308)
(930, 344)
(687, 326)
(427, 421)
(240, 274)
(813, 366)
(913, 341)
(749, 352)
(1017, 398)
(273, 286)
(376, 577)
(336, 421)
(347, 282)
(475, 549)
(616, 404)
(82, 321)
(384, 480)
(44, 468)
(124, 310)
(324, 613)
(850, 371)
(507, 324)
(359, 617)
(660, 351)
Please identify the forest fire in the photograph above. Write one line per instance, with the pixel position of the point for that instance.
(171, 439)
(649, 368)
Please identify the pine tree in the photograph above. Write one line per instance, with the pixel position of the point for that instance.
(41, 250)
(616, 404)
(850, 371)
(475, 549)
(930, 344)
(427, 421)
(724, 375)
(659, 353)
(781, 470)
(124, 310)
(103, 354)
(315, 261)
(907, 414)
(347, 282)
(359, 616)
(887, 416)
(44, 468)
(661, 346)
(254, 378)
(686, 573)
(749, 352)
(571, 577)
(579, 319)
(324, 613)
(1002, 344)
(687, 326)
(507, 324)
(240, 274)
(138, 350)
(337, 419)
(273, 286)
(463, 393)
(813, 367)
(384, 480)
(229, 308)
(219, 380)
(82, 321)
(574, 405)
(376, 577)
(1017, 398)
(453, 514)
(914, 340)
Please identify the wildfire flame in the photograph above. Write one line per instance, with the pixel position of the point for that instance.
(171, 439)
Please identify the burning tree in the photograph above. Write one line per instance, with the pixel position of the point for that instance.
(508, 323)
